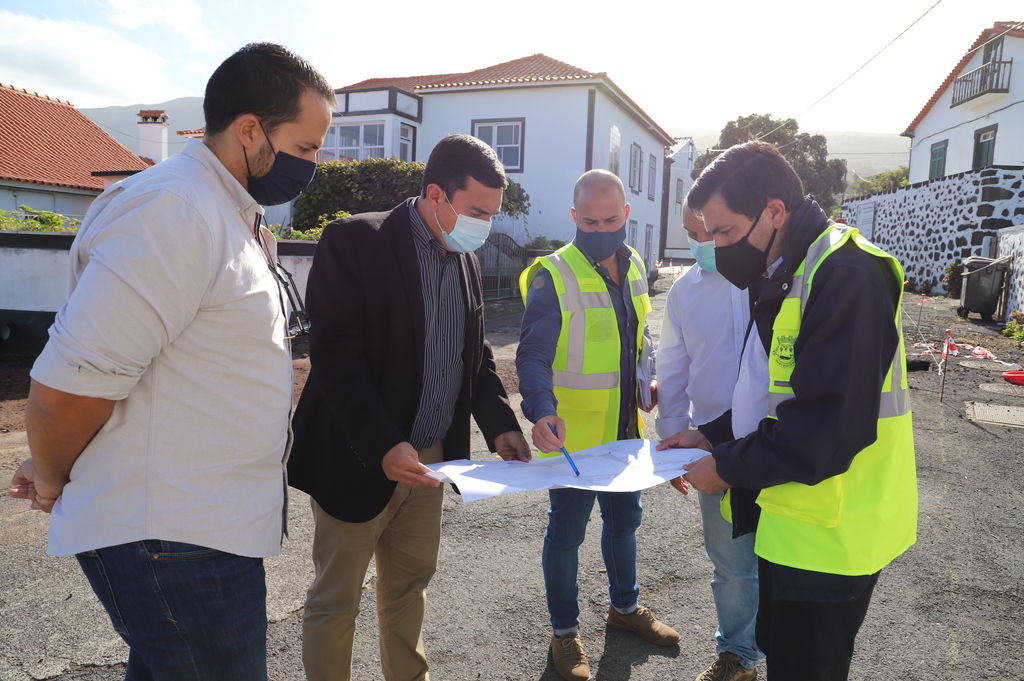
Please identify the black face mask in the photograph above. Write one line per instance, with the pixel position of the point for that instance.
(741, 263)
(600, 245)
(287, 178)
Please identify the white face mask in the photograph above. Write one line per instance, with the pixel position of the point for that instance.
(467, 235)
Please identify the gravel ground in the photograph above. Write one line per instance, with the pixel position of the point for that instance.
(951, 608)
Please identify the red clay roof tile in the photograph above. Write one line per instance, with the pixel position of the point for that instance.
(537, 68)
(48, 141)
(1014, 29)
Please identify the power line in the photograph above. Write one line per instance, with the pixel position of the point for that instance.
(858, 70)
(1013, 27)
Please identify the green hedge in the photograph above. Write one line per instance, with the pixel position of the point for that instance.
(25, 219)
(375, 184)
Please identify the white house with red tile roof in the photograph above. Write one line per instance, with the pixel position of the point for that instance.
(54, 158)
(548, 121)
(976, 117)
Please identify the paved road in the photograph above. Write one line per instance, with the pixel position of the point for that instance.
(949, 609)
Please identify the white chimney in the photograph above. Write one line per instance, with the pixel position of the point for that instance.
(153, 134)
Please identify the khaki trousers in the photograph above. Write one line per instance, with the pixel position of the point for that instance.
(403, 540)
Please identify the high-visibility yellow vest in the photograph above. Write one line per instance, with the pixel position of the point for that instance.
(857, 522)
(586, 365)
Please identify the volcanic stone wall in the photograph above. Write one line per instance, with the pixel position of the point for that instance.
(1011, 242)
(931, 224)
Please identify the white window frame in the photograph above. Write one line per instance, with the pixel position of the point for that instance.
(410, 141)
(355, 153)
(614, 144)
(518, 124)
(631, 233)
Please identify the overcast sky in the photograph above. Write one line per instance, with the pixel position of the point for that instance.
(689, 65)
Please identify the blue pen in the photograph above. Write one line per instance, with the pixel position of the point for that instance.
(567, 457)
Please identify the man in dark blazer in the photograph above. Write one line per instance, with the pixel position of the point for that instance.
(399, 363)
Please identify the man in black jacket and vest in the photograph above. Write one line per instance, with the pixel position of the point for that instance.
(824, 434)
(399, 363)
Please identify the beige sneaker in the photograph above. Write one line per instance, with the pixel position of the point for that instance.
(643, 623)
(569, 658)
(727, 668)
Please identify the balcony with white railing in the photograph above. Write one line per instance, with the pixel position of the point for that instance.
(992, 78)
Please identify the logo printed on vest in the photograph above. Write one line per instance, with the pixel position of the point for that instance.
(782, 350)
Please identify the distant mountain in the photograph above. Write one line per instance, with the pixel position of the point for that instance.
(184, 113)
(866, 153)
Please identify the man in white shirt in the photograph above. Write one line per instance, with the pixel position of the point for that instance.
(158, 411)
(698, 359)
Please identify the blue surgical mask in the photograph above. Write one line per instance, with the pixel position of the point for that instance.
(287, 178)
(599, 245)
(467, 235)
(704, 252)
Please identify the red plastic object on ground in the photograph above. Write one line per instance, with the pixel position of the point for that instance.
(1015, 377)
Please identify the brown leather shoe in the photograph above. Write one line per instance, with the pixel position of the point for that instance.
(569, 658)
(727, 668)
(643, 623)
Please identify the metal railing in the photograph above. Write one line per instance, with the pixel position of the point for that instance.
(501, 261)
(991, 77)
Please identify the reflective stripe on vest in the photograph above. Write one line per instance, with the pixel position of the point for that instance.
(857, 522)
(586, 364)
(894, 402)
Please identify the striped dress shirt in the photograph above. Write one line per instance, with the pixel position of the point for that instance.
(444, 320)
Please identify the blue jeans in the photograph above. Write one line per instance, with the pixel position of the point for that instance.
(733, 583)
(187, 613)
(567, 526)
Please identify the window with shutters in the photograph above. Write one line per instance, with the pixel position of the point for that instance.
(636, 168)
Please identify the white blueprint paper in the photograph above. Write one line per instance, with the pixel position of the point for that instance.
(621, 466)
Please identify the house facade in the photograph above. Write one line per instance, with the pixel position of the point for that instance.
(53, 158)
(681, 159)
(548, 121)
(966, 196)
(975, 118)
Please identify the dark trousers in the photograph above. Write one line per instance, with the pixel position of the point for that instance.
(807, 621)
(187, 613)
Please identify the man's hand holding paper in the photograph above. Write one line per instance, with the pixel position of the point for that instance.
(620, 466)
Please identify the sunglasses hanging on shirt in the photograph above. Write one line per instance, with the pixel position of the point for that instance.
(296, 321)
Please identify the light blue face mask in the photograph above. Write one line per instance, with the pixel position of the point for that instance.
(467, 235)
(704, 252)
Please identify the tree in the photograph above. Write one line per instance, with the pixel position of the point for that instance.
(808, 154)
(372, 185)
(885, 181)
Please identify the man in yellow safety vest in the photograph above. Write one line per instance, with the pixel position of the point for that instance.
(583, 348)
(820, 410)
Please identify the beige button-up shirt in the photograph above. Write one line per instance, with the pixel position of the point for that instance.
(174, 313)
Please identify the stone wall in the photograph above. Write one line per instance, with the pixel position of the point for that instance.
(931, 224)
(1011, 242)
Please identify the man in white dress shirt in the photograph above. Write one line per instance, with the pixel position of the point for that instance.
(158, 411)
(698, 360)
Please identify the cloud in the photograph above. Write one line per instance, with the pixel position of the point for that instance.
(87, 64)
(181, 16)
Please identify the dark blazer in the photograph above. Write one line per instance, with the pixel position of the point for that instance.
(365, 305)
